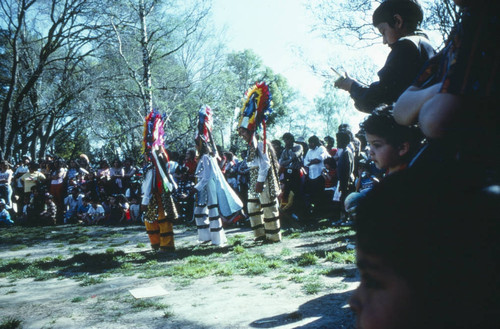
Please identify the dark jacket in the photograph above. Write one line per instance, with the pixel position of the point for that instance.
(402, 66)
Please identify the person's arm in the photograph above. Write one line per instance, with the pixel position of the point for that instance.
(400, 69)
(438, 115)
(407, 107)
(264, 165)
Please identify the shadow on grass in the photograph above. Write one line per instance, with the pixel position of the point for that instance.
(327, 311)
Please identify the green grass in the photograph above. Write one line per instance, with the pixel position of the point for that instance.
(80, 239)
(78, 299)
(18, 247)
(347, 257)
(144, 304)
(239, 249)
(87, 280)
(140, 245)
(307, 259)
(10, 323)
(312, 285)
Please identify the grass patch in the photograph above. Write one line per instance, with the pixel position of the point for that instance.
(10, 323)
(78, 299)
(140, 245)
(239, 249)
(87, 280)
(285, 252)
(236, 240)
(18, 247)
(346, 257)
(307, 259)
(143, 304)
(312, 285)
(80, 239)
(255, 264)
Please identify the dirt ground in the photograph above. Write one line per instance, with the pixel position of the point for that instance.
(276, 298)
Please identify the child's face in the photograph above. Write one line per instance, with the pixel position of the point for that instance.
(383, 299)
(384, 155)
(389, 34)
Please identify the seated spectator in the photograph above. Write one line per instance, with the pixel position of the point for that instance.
(48, 215)
(391, 145)
(95, 213)
(6, 175)
(398, 22)
(135, 211)
(123, 203)
(72, 203)
(428, 257)
(82, 210)
(5, 219)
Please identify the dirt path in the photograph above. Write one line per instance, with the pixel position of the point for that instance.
(57, 278)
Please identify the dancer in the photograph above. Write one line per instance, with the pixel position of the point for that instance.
(261, 160)
(157, 203)
(214, 195)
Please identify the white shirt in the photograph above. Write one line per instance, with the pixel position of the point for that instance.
(320, 153)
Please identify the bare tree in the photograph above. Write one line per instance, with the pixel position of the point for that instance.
(42, 36)
(350, 21)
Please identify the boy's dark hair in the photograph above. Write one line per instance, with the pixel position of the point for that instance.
(441, 236)
(288, 136)
(331, 162)
(409, 10)
(381, 123)
(314, 140)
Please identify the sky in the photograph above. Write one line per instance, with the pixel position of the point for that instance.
(280, 32)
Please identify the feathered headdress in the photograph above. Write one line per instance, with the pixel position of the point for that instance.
(256, 108)
(152, 146)
(205, 124)
(153, 132)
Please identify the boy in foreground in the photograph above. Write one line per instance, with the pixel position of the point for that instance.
(428, 257)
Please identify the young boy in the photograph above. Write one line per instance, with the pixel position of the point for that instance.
(391, 145)
(428, 257)
(398, 22)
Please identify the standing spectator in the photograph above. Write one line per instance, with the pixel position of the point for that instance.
(57, 191)
(330, 146)
(173, 163)
(345, 168)
(33, 178)
(116, 174)
(190, 163)
(315, 183)
(6, 175)
(278, 148)
(129, 171)
(22, 169)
